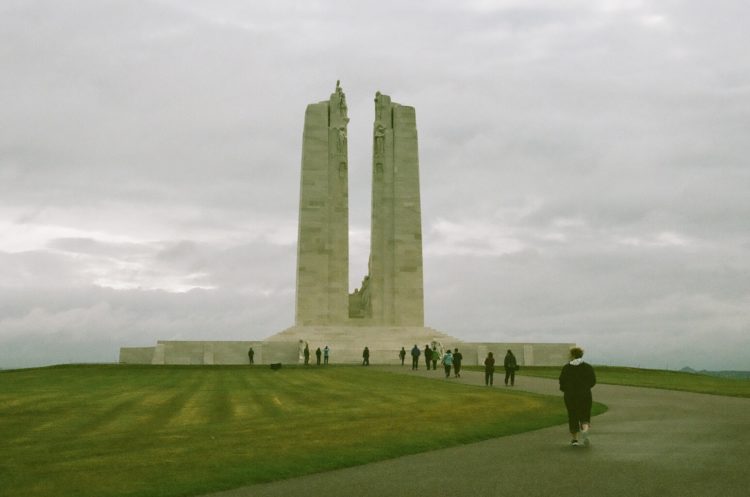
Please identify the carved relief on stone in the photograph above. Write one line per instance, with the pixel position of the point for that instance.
(342, 101)
(378, 107)
(379, 140)
(341, 139)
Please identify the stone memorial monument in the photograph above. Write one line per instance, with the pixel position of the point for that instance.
(387, 311)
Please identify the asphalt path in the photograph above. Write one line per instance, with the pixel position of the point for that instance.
(650, 442)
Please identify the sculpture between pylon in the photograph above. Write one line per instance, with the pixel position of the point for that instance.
(392, 293)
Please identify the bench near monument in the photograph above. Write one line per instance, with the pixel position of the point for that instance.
(387, 311)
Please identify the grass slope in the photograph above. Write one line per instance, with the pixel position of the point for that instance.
(168, 431)
(654, 378)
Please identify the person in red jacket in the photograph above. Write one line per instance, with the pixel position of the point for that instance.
(577, 378)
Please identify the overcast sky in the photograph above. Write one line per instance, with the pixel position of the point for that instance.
(584, 169)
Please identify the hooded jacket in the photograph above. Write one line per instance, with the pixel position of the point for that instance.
(577, 377)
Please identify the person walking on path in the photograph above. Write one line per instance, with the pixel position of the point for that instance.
(435, 357)
(326, 352)
(448, 362)
(489, 369)
(306, 353)
(457, 358)
(415, 357)
(427, 356)
(317, 356)
(366, 356)
(401, 355)
(511, 365)
(251, 355)
(577, 378)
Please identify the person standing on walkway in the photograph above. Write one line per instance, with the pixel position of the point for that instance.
(415, 357)
(251, 355)
(306, 353)
(401, 355)
(511, 365)
(427, 356)
(366, 356)
(457, 358)
(326, 352)
(317, 356)
(435, 357)
(577, 378)
(489, 369)
(447, 363)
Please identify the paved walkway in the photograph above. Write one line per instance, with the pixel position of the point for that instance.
(650, 443)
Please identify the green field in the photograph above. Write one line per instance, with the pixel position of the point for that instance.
(650, 378)
(170, 430)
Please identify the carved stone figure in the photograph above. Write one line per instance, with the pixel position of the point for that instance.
(341, 141)
(379, 140)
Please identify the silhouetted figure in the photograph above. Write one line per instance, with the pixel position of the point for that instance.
(251, 355)
(366, 356)
(427, 356)
(306, 353)
(577, 378)
(415, 357)
(489, 369)
(401, 355)
(326, 352)
(435, 357)
(447, 363)
(511, 365)
(457, 358)
(317, 356)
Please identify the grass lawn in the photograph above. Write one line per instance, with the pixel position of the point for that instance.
(118, 430)
(650, 378)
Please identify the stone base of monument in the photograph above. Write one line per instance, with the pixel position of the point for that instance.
(345, 343)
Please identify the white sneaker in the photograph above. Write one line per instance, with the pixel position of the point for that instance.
(574, 443)
(586, 441)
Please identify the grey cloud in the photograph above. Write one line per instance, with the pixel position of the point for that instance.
(564, 153)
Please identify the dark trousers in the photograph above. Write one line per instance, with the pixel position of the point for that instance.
(317, 360)
(488, 377)
(325, 360)
(366, 361)
(307, 360)
(402, 361)
(434, 364)
(447, 370)
(510, 373)
(415, 362)
(427, 361)
(579, 409)
(457, 369)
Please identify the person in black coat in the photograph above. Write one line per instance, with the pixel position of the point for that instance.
(415, 353)
(577, 378)
(366, 356)
(457, 358)
(317, 356)
(427, 356)
(511, 365)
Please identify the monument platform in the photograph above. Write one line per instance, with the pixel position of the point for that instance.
(345, 343)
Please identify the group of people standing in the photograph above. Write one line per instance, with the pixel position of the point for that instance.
(326, 352)
(449, 360)
(510, 364)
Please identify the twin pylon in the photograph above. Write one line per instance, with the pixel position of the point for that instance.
(392, 292)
